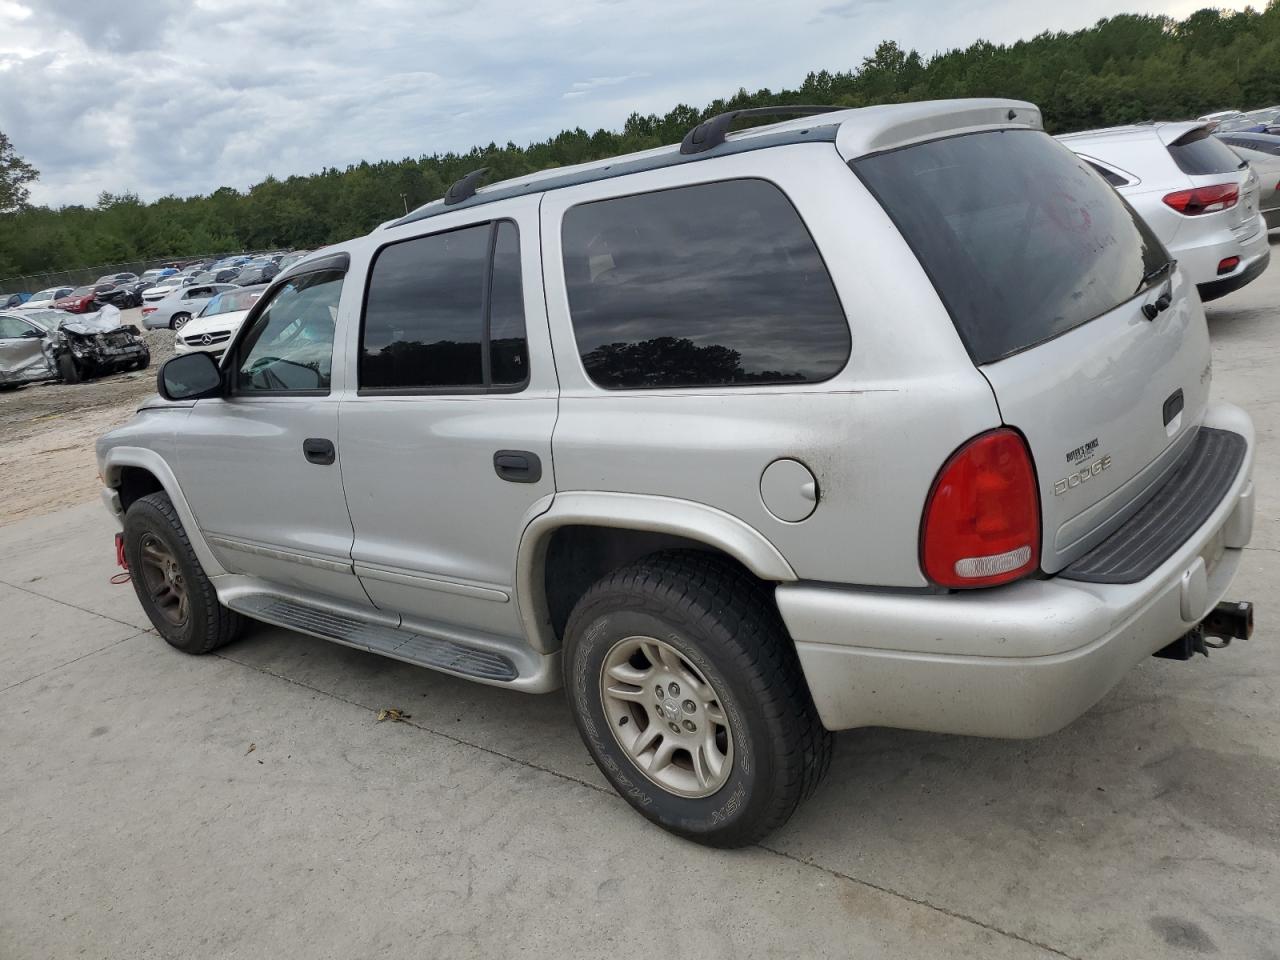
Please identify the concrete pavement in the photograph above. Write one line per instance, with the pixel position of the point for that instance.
(136, 821)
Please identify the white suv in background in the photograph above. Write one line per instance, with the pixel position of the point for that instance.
(1198, 196)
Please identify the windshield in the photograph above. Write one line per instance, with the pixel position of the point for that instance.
(230, 302)
(44, 295)
(81, 292)
(1021, 238)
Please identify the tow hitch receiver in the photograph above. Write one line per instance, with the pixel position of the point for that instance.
(1229, 620)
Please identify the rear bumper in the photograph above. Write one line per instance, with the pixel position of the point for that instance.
(1246, 272)
(1017, 661)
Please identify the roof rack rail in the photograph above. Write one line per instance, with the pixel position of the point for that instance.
(465, 188)
(710, 133)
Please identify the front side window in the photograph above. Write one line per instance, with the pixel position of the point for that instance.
(445, 312)
(11, 328)
(289, 348)
(715, 284)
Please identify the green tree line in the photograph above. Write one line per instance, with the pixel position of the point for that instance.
(1123, 69)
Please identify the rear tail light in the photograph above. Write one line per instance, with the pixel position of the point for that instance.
(1220, 196)
(1227, 264)
(147, 310)
(982, 519)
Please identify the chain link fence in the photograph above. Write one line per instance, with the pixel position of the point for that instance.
(81, 276)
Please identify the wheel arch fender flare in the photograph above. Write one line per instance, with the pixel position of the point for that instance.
(628, 511)
(117, 458)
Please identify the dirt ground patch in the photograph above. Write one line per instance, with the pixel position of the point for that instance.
(48, 432)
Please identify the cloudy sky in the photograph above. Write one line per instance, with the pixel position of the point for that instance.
(183, 96)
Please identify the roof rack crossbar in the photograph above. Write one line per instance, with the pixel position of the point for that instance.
(465, 188)
(711, 133)
(618, 167)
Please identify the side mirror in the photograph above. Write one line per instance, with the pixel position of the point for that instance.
(32, 335)
(191, 376)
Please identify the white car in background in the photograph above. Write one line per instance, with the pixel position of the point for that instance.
(1198, 197)
(163, 288)
(43, 299)
(218, 322)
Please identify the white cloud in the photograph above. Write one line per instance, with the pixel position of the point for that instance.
(183, 96)
(583, 87)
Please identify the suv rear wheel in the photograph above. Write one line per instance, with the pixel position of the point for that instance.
(170, 583)
(688, 694)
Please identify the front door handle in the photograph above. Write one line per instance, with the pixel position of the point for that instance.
(318, 450)
(517, 466)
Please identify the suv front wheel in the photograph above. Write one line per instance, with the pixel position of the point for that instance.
(171, 585)
(689, 696)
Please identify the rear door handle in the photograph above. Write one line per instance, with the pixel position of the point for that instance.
(517, 466)
(318, 450)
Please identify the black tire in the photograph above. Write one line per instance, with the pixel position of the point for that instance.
(142, 362)
(178, 321)
(722, 622)
(208, 625)
(68, 371)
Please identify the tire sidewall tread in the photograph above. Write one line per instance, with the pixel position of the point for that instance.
(209, 624)
(722, 621)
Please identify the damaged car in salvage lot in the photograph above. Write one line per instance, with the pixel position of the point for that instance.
(52, 345)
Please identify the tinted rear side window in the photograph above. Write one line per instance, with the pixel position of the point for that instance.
(1199, 154)
(707, 285)
(1110, 176)
(446, 311)
(1022, 241)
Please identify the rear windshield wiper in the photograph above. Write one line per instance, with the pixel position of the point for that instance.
(1156, 273)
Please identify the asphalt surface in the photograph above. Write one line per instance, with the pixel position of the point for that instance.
(249, 804)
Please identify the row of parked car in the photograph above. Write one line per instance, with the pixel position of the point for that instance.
(69, 334)
(1263, 120)
(124, 290)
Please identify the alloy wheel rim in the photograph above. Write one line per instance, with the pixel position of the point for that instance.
(666, 717)
(163, 580)
(180, 321)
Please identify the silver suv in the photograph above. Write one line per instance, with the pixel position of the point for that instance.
(895, 416)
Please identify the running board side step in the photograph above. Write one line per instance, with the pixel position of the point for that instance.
(438, 653)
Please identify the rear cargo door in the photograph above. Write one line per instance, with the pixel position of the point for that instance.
(1108, 409)
(1049, 278)
(1209, 162)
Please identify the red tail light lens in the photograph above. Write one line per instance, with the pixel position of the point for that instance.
(982, 520)
(1220, 196)
(1227, 264)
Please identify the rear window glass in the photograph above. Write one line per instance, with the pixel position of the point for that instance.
(715, 284)
(1019, 236)
(1198, 154)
